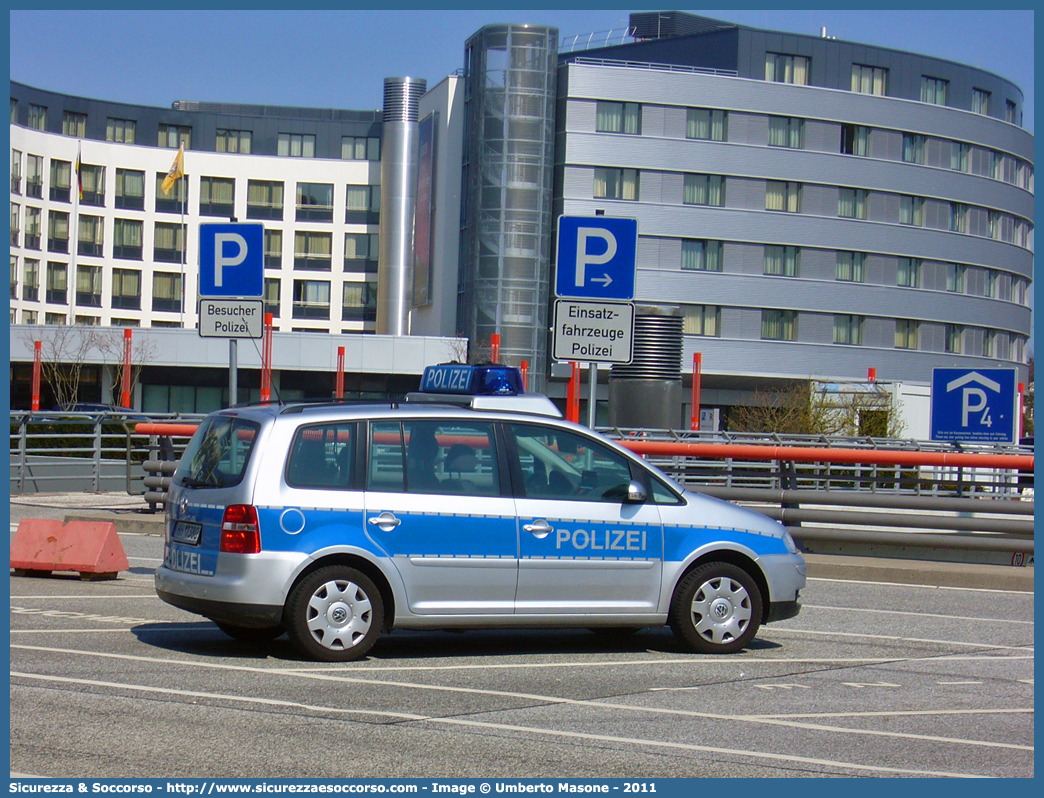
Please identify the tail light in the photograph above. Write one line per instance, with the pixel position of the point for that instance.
(240, 530)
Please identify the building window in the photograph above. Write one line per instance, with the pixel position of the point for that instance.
(616, 117)
(31, 240)
(359, 302)
(273, 249)
(166, 292)
(31, 280)
(91, 238)
(360, 252)
(848, 329)
(312, 251)
(991, 284)
(706, 123)
(92, 184)
(15, 222)
(704, 190)
(981, 102)
(14, 277)
(89, 286)
(120, 130)
(907, 333)
(217, 196)
(126, 289)
(701, 320)
(621, 184)
(911, 210)
(174, 136)
(954, 339)
(701, 256)
(960, 156)
(174, 202)
(781, 68)
(169, 244)
(958, 217)
(1011, 113)
(272, 290)
(851, 203)
(851, 267)
(913, 148)
(16, 171)
(14, 111)
(130, 189)
(57, 283)
(296, 145)
(264, 199)
(315, 202)
(996, 228)
(779, 325)
(360, 148)
(855, 140)
(786, 131)
(364, 200)
(233, 141)
(783, 196)
(57, 231)
(61, 174)
(74, 124)
(311, 299)
(955, 277)
(58, 319)
(869, 80)
(782, 261)
(34, 176)
(933, 90)
(38, 117)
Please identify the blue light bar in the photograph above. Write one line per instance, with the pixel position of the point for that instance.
(455, 378)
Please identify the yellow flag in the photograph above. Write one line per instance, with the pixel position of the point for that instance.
(177, 171)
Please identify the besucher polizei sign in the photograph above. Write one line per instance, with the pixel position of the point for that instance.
(231, 318)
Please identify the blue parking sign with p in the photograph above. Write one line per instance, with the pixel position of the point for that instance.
(974, 405)
(596, 257)
(231, 260)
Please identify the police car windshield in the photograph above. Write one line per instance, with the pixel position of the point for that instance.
(218, 453)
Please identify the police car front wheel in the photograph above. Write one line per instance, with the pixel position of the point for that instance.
(716, 609)
(335, 614)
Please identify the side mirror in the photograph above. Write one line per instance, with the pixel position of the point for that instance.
(636, 492)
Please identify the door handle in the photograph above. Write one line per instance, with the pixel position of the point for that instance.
(539, 529)
(386, 521)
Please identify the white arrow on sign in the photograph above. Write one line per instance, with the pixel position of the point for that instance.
(603, 280)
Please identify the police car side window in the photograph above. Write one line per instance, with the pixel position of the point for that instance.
(561, 465)
(322, 456)
(451, 457)
(386, 471)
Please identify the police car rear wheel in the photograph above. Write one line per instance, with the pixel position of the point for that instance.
(335, 614)
(249, 635)
(716, 609)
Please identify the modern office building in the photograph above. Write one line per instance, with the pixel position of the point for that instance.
(812, 208)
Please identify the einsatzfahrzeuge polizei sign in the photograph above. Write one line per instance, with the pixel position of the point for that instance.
(598, 332)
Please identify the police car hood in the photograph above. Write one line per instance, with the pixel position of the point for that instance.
(718, 513)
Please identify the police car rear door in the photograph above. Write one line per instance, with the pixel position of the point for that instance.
(436, 504)
(582, 547)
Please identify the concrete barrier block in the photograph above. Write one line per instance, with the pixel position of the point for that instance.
(90, 548)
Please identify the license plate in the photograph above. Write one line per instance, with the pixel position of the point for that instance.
(186, 532)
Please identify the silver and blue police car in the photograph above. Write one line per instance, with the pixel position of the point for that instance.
(470, 505)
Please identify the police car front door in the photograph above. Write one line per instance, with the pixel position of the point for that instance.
(582, 548)
(435, 505)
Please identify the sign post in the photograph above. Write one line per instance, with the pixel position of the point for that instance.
(594, 283)
(231, 284)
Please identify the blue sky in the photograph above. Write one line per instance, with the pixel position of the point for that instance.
(339, 58)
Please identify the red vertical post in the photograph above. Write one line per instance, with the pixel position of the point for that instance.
(339, 382)
(125, 393)
(1022, 408)
(573, 397)
(266, 361)
(871, 374)
(494, 347)
(524, 369)
(37, 367)
(697, 368)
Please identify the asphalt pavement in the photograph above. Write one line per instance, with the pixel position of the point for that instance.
(131, 515)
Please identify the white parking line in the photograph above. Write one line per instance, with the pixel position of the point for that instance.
(915, 614)
(543, 731)
(926, 587)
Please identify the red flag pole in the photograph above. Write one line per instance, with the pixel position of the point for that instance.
(125, 395)
(697, 369)
(266, 361)
(494, 347)
(525, 375)
(37, 366)
(339, 382)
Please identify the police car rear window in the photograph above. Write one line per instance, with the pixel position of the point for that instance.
(218, 453)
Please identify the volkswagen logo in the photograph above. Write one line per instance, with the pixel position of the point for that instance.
(183, 506)
(339, 615)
